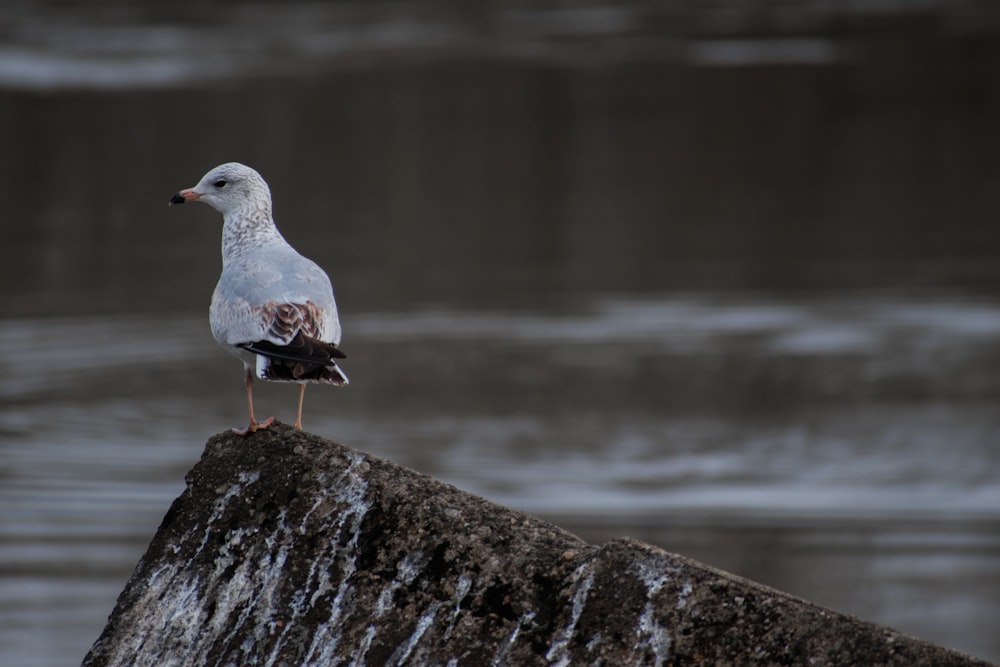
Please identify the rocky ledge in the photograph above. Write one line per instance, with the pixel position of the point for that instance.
(288, 549)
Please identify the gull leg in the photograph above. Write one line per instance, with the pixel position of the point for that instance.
(302, 395)
(254, 424)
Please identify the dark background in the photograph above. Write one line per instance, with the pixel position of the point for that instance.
(723, 276)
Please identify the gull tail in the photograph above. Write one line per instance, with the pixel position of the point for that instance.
(304, 359)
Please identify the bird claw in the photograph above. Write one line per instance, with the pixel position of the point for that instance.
(253, 427)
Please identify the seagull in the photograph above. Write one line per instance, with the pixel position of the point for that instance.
(272, 308)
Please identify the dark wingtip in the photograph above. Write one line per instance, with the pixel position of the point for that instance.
(177, 199)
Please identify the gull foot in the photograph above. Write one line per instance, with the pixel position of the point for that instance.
(253, 426)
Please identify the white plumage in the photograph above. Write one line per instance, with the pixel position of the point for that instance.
(273, 308)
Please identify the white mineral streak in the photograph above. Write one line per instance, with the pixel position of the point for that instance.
(193, 612)
(349, 489)
(236, 593)
(462, 589)
(384, 602)
(500, 659)
(583, 579)
(358, 656)
(402, 654)
(652, 637)
(181, 615)
(174, 602)
(223, 502)
(406, 571)
(682, 597)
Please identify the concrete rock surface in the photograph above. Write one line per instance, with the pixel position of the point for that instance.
(288, 549)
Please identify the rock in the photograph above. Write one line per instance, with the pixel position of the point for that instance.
(287, 549)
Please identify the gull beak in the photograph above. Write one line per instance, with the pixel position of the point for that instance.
(185, 195)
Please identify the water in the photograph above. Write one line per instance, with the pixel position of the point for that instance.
(734, 297)
(789, 455)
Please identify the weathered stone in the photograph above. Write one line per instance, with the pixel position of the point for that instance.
(287, 549)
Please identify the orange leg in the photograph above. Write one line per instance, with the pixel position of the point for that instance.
(254, 424)
(302, 395)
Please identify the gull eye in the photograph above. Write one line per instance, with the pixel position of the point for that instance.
(219, 183)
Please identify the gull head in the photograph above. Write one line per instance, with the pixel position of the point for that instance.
(227, 188)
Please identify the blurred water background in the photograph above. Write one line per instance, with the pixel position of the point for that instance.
(723, 276)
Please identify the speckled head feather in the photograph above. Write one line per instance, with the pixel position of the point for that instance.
(243, 198)
(233, 187)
